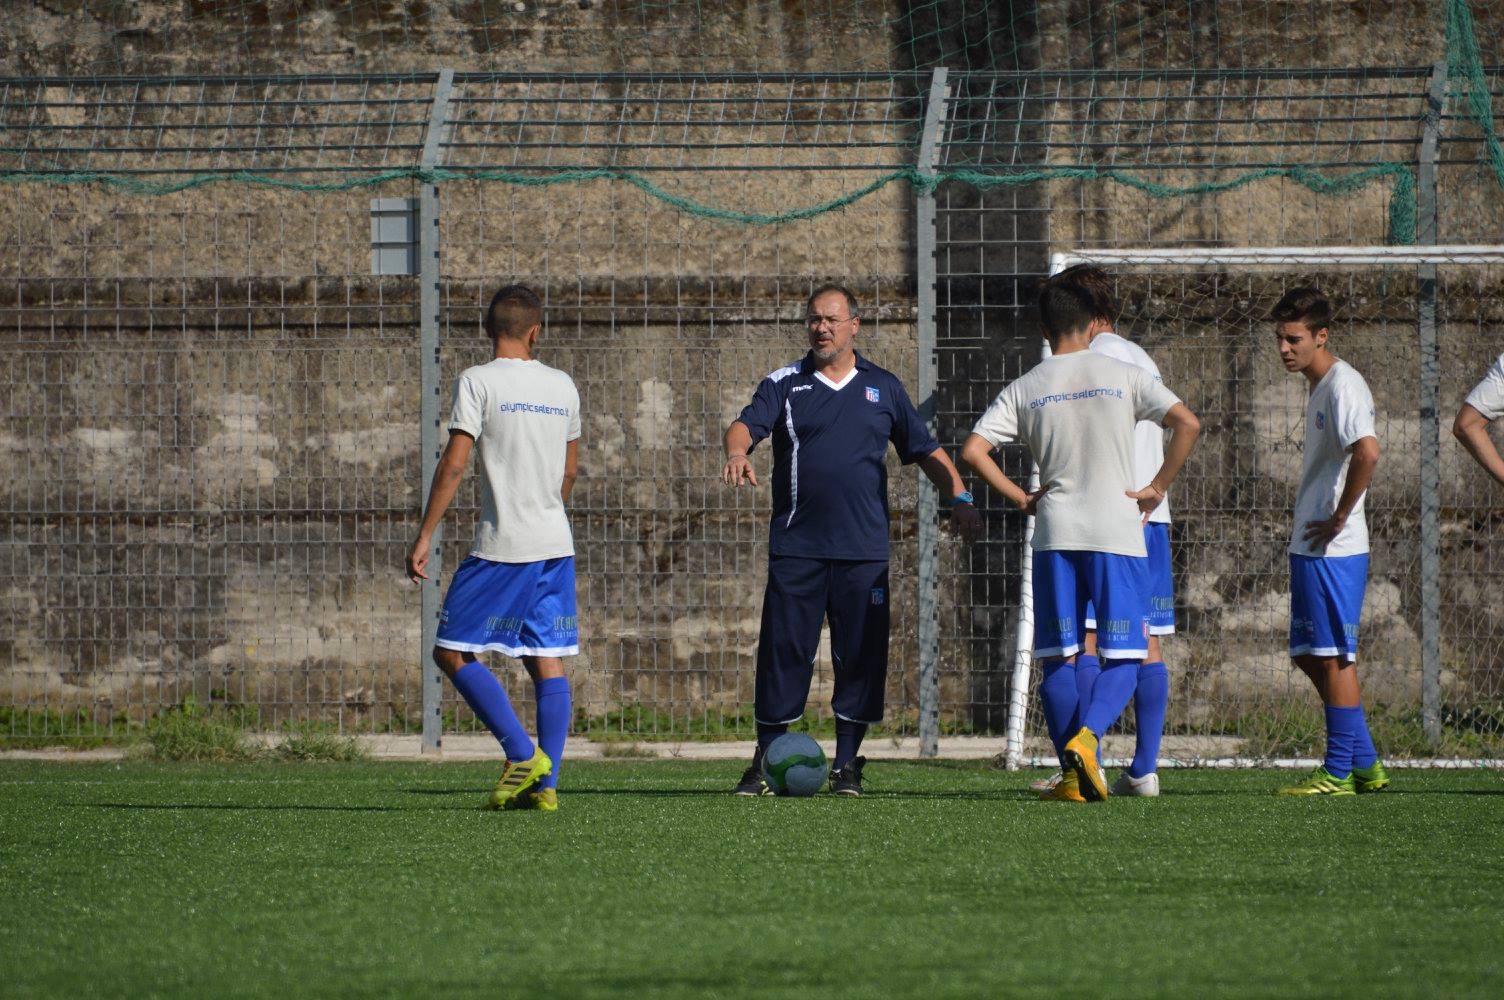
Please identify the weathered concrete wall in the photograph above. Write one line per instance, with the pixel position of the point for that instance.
(209, 450)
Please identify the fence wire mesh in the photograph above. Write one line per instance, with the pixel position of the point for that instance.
(211, 418)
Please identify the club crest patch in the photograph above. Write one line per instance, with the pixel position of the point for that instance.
(1320, 420)
(878, 596)
(873, 395)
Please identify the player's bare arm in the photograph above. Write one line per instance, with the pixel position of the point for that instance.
(977, 453)
(738, 467)
(1185, 428)
(446, 482)
(571, 468)
(1365, 458)
(1471, 431)
(964, 519)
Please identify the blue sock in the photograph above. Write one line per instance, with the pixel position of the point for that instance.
(848, 741)
(1057, 696)
(488, 700)
(1341, 736)
(1088, 669)
(554, 712)
(1364, 752)
(1150, 701)
(1110, 695)
(768, 732)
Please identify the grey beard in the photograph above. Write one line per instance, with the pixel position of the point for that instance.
(829, 355)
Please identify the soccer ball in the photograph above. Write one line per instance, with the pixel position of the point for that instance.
(794, 765)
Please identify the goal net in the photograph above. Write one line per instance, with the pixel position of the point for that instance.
(1421, 326)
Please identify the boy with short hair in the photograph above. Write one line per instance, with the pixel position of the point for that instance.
(1329, 542)
(515, 593)
(1076, 411)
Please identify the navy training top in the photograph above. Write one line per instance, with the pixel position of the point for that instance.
(830, 483)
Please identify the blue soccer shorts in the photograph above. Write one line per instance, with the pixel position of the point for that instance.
(1326, 601)
(1066, 582)
(520, 609)
(1161, 596)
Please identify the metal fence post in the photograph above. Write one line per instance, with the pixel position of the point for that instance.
(428, 332)
(1430, 429)
(928, 375)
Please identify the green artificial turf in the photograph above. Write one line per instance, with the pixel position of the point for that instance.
(368, 879)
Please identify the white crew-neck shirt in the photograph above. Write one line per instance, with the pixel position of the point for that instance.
(1077, 412)
(1487, 396)
(1339, 414)
(521, 414)
(1148, 436)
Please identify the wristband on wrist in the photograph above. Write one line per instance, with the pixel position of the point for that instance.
(963, 497)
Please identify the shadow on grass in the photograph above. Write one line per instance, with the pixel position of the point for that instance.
(235, 807)
(572, 791)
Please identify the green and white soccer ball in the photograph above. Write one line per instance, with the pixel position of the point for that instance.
(795, 765)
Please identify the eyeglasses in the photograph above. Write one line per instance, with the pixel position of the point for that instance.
(815, 322)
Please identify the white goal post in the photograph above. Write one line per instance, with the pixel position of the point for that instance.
(1295, 258)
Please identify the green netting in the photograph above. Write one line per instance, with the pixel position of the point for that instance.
(1106, 41)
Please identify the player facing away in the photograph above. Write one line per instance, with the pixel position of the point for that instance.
(1076, 411)
(515, 592)
(1329, 541)
(831, 416)
(1484, 405)
(1151, 694)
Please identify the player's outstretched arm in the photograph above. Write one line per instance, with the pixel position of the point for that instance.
(738, 468)
(977, 453)
(1184, 429)
(446, 481)
(1471, 430)
(1365, 458)
(941, 471)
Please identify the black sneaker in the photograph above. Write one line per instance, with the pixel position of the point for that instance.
(848, 780)
(753, 783)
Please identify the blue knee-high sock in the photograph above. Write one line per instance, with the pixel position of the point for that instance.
(1110, 695)
(848, 741)
(488, 700)
(1058, 698)
(554, 712)
(1364, 752)
(1341, 737)
(1151, 699)
(1088, 669)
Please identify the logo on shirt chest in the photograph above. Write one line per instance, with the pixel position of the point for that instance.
(1321, 420)
(873, 396)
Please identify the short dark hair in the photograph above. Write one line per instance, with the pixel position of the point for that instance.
(1305, 305)
(1065, 307)
(514, 310)
(831, 286)
(1098, 284)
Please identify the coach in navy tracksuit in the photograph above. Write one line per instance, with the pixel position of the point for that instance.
(831, 416)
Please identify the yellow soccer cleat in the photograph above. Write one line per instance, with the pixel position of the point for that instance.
(1081, 756)
(541, 799)
(1067, 789)
(1320, 782)
(519, 777)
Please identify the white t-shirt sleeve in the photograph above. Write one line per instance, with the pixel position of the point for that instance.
(1353, 412)
(469, 410)
(1151, 400)
(1487, 396)
(999, 425)
(574, 414)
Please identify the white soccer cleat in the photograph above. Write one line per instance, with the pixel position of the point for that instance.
(1146, 787)
(1046, 784)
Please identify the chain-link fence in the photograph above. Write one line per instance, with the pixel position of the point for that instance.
(218, 421)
